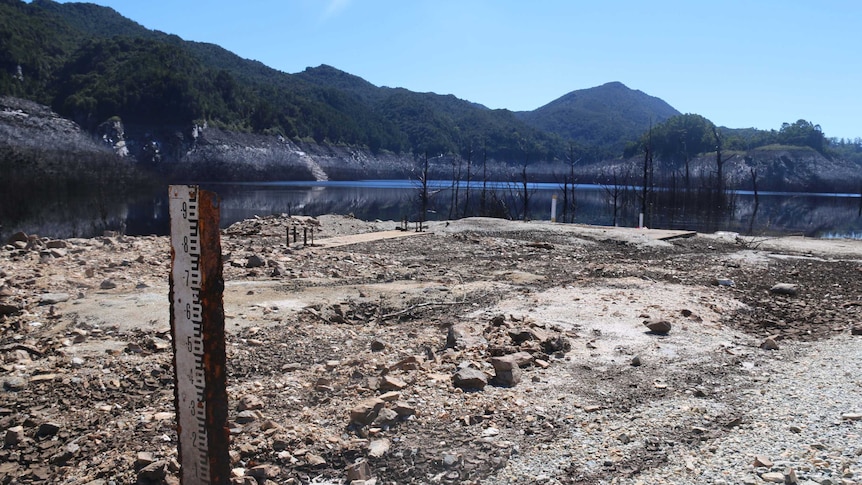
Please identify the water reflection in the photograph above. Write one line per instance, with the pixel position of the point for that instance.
(816, 215)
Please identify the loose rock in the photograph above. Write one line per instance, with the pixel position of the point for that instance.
(784, 289)
(658, 327)
(469, 378)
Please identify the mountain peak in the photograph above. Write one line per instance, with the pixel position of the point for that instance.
(606, 115)
(614, 85)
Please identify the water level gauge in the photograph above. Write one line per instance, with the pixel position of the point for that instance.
(197, 326)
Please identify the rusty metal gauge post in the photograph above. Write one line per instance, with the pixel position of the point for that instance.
(197, 326)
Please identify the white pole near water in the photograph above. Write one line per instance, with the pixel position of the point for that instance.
(554, 208)
(641, 220)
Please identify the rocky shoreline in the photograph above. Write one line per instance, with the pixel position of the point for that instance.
(481, 351)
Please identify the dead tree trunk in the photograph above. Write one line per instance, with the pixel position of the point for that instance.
(424, 196)
(526, 195)
(483, 197)
(645, 189)
(456, 185)
(467, 189)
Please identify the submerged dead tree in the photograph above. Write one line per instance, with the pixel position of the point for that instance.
(456, 186)
(569, 187)
(647, 177)
(720, 184)
(525, 193)
(424, 194)
(469, 177)
(483, 196)
(615, 187)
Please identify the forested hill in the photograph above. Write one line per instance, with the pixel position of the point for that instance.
(90, 64)
(610, 115)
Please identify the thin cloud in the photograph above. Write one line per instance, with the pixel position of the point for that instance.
(335, 7)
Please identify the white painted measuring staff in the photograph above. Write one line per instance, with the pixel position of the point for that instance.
(197, 326)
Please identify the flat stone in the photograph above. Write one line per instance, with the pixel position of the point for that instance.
(366, 411)
(390, 396)
(314, 460)
(784, 289)
(53, 298)
(460, 336)
(57, 253)
(852, 416)
(762, 461)
(378, 448)
(773, 477)
(264, 471)
(385, 417)
(245, 417)
(358, 471)
(43, 377)
(404, 409)
(391, 383)
(107, 285)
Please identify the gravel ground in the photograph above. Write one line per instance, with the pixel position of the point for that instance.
(798, 408)
(315, 332)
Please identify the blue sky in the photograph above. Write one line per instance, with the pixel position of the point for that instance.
(741, 64)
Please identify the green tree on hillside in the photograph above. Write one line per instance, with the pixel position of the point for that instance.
(802, 133)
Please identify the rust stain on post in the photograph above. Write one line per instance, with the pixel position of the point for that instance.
(212, 291)
(213, 361)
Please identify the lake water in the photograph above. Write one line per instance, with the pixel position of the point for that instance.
(814, 215)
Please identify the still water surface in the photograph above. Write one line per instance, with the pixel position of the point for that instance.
(815, 215)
